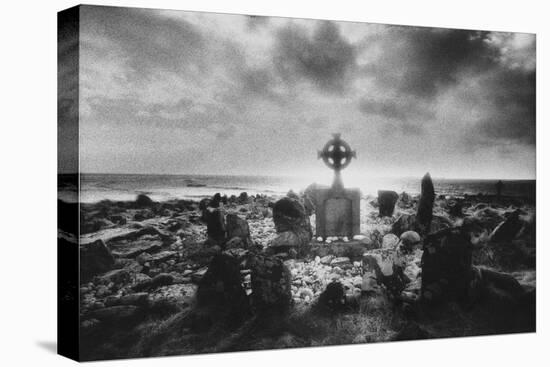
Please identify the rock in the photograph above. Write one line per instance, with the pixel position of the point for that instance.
(271, 286)
(326, 260)
(405, 222)
(333, 297)
(137, 247)
(298, 239)
(424, 211)
(446, 266)
(390, 241)
(289, 215)
(456, 209)
(134, 299)
(115, 313)
(405, 201)
(116, 276)
(95, 258)
(220, 289)
(143, 201)
(409, 239)
(386, 202)
(387, 266)
(243, 198)
(340, 261)
(508, 229)
(161, 280)
(162, 256)
(215, 224)
(236, 227)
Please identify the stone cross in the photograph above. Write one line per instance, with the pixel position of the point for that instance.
(337, 155)
(336, 208)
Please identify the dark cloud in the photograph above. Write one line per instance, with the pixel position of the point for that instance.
(422, 61)
(511, 110)
(396, 109)
(325, 58)
(148, 41)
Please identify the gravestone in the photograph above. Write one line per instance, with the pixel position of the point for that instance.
(337, 208)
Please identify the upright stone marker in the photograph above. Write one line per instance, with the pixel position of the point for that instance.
(337, 209)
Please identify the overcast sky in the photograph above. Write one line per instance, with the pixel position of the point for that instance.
(184, 92)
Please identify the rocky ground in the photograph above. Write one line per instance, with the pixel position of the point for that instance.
(245, 273)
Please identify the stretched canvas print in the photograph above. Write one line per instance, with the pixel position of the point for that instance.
(234, 182)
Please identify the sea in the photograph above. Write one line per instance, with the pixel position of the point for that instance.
(125, 187)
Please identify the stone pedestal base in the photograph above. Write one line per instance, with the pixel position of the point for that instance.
(337, 212)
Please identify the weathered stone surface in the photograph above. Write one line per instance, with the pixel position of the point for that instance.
(409, 239)
(237, 227)
(144, 201)
(387, 266)
(134, 299)
(135, 248)
(215, 224)
(386, 202)
(116, 276)
(114, 313)
(390, 241)
(95, 258)
(220, 288)
(508, 229)
(271, 287)
(405, 222)
(446, 266)
(333, 297)
(424, 211)
(289, 214)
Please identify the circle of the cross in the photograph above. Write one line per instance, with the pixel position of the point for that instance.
(337, 153)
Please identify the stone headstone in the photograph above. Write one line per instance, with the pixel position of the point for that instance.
(386, 202)
(337, 209)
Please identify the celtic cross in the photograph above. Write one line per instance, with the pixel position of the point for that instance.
(337, 155)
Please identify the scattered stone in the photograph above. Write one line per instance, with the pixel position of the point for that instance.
(386, 202)
(508, 229)
(215, 224)
(390, 241)
(236, 227)
(446, 266)
(144, 201)
(220, 288)
(333, 297)
(116, 276)
(95, 258)
(271, 287)
(409, 239)
(340, 261)
(405, 222)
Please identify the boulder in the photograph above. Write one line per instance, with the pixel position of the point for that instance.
(405, 201)
(236, 227)
(144, 201)
(390, 241)
(405, 222)
(508, 229)
(116, 276)
(333, 297)
(386, 202)
(409, 239)
(387, 267)
(115, 313)
(424, 211)
(297, 239)
(215, 224)
(289, 214)
(220, 289)
(243, 198)
(95, 258)
(271, 286)
(446, 266)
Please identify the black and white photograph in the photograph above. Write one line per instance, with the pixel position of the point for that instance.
(233, 182)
